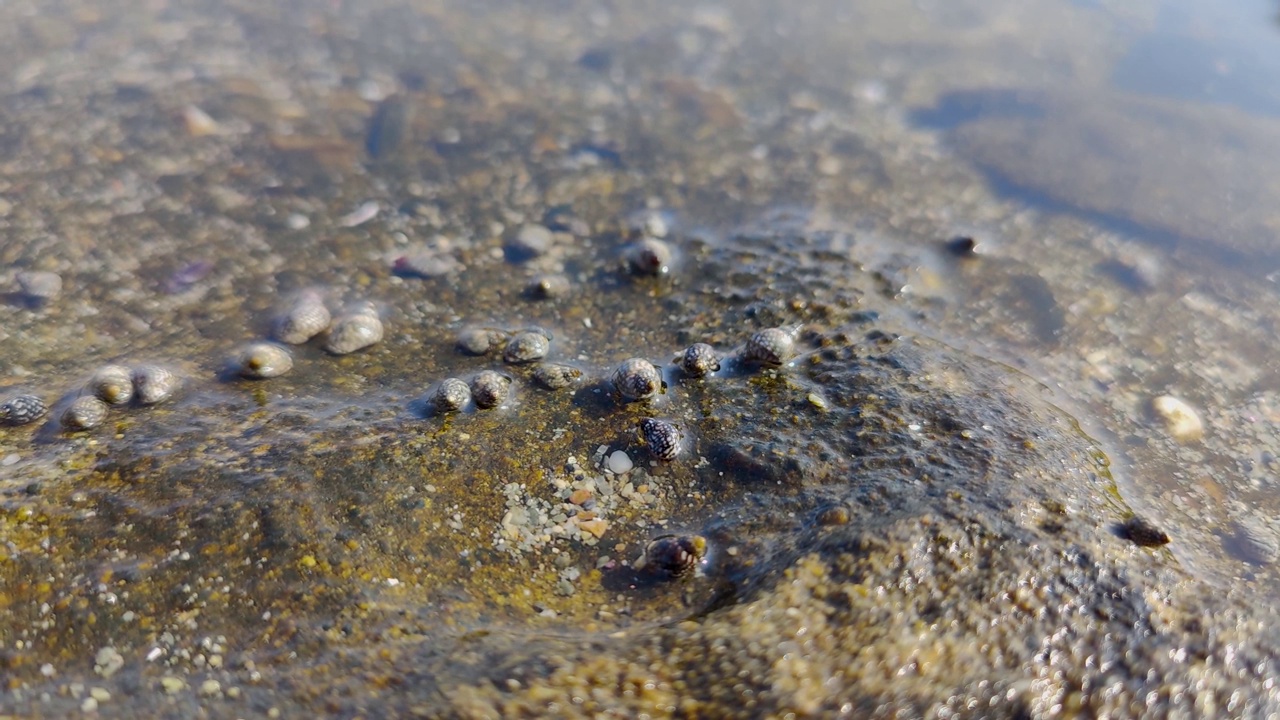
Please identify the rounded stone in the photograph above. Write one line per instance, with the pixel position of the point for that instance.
(153, 384)
(489, 388)
(451, 395)
(673, 556)
(773, 346)
(305, 318)
(22, 409)
(665, 439)
(39, 286)
(527, 346)
(355, 330)
(113, 384)
(637, 379)
(834, 515)
(86, 413)
(554, 377)
(649, 256)
(531, 241)
(699, 360)
(263, 360)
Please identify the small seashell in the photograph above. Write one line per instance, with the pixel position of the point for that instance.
(481, 341)
(263, 360)
(665, 439)
(637, 379)
(489, 388)
(451, 395)
(699, 360)
(355, 330)
(153, 384)
(555, 377)
(549, 287)
(38, 286)
(305, 319)
(774, 346)
(672, 556)
(649, 256)
(112, 384)
(86, 413)
(22, 409)
(527, 346)
(1180, 420)
(834, 515)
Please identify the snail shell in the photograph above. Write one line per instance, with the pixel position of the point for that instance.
(637, 379)
(555, 377)
(774, 346)
(527, 346)
(672, 555)
(699, 360)
(451, 395)
(665, 439)
(112, 384)
(490, 388)
(481, 341)
(22, 409)
(153, 384)
(355, 330)
(86, 413)
(263, 360)
(305, 319)
(649, 256)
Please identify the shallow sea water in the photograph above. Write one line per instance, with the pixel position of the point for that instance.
(325, 542)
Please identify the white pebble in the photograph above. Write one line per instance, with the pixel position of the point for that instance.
(619, 463)
(1179, 418)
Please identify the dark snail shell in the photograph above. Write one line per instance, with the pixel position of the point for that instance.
(554, 377)
(673, 556)
(489, 388)
(305, 318)
(355, 330)
(526, 347)
(263, 360)
(665, 439)
(451, 395)
(22, 409)
(153, 384)
(699, 360)
(112, 384)
(637, 379)
(86, 413)
(774, 346)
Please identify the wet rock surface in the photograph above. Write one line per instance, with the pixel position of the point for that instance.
(891, 522)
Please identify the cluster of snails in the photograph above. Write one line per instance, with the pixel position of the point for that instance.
(635, 380)
(356, 328)
(110, 385)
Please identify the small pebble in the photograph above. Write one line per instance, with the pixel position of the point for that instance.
(22, 409)
(531, 241)
(549, 287)
(774, 346)
(619, 462)
(637, 379)
(113, 384)
(555, 377)
(481, 341)
(360, 215)
(38, 286)
(963, 246)
(489, 388)
(153, 384)
(451, 395)
(86, 413)
(1179, 418)
(198, 122)
(355, 330)
(527, 346)
(665, 439)
(699, 360)
(305, 318)
(649, 256)
(263, 360)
